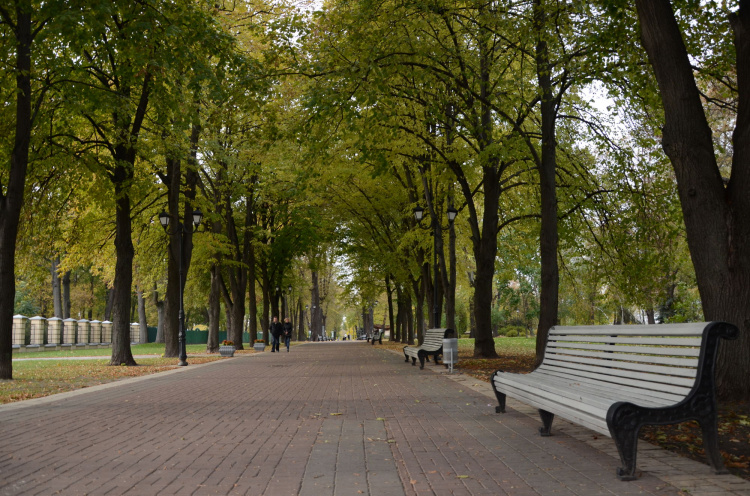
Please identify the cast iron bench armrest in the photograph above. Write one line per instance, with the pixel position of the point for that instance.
(615, 379)
(432, 345)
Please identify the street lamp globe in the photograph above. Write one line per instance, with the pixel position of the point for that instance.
(452, 213)
(418, 213)
(164, 219)
(197, 217)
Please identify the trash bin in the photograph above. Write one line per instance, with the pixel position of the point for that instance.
(450, 352)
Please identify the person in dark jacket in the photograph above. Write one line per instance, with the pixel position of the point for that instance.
(287, 335)
(276, 330)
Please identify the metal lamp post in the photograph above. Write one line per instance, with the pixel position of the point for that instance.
(309, 333)
(418, 215)
(287, 297)
(181, 230)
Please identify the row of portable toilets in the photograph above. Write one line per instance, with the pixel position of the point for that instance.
(40, 333)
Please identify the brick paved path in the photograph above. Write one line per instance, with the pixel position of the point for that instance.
(325, 419)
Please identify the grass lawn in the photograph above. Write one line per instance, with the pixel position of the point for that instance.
(37, 378)
(156, 349)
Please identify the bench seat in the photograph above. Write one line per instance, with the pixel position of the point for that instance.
(615, 379)
(377, 335)
(431, 345)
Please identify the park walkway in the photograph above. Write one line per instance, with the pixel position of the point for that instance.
(325, 419)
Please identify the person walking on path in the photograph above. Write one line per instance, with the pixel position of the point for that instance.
(276, 330)
(287, 333)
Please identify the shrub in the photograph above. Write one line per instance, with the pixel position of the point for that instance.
(511, 334)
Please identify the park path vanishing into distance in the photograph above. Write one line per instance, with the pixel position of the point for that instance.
(334, 418)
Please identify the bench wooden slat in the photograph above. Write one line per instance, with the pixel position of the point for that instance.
(591, 386)
(665, 350)
(691, 362)
(689, 329)
(625, 364)
(623, 392)
(676, 342)
(595, 423)
(616, 375)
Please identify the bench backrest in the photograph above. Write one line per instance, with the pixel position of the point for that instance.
(433, 338)
(660, 359)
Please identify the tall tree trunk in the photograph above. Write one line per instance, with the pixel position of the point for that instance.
(56, 289)
(214, 310)
(450, 298)
(159, 304)
(391, 321)
(172, 291)
(11, 196)
(315, 317)
(142, 323)
(300, 321)
(252, 302)
(716, 217)
(418, 287)
(66, 294)
(548, 237)
(265, 318)
(409, 319)
(121, 353)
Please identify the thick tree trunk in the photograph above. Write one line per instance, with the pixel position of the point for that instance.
(56, 288)
(300, 321)
(11, 198)
(548, 237)
(716, 217)
(172, 291)
(66, 295)
(484, 254)
(418, 287)
(450, 297)
(159, 304)
(121, 353)
(409, 320)
(252, 302)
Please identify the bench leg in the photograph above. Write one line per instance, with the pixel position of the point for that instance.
(422, 356)
(547, 418)
(500, 396)
(624, 421)
(711, 445)
(413, 361)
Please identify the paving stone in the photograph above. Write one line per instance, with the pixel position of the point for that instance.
(327, 419)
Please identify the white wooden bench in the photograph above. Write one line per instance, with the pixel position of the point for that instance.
(377, 335)
(615, 379)
(432, 345)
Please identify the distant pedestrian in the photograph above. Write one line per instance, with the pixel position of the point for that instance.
(287, 333)
(276, 330)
